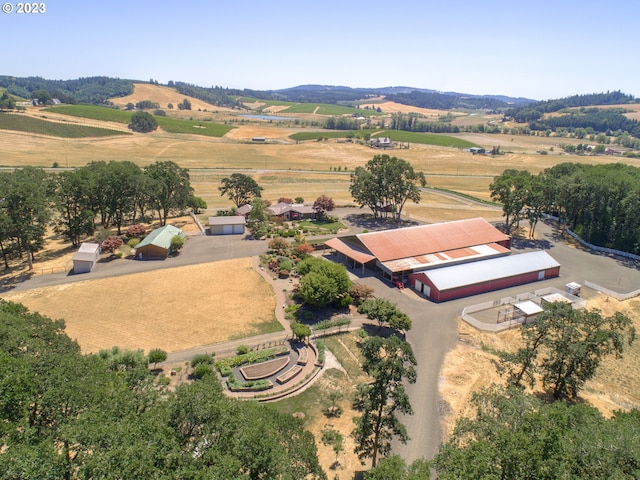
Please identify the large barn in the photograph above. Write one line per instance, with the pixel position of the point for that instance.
(457, 281)
(402, 251)
(446, 260)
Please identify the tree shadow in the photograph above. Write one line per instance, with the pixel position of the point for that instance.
(369, 222)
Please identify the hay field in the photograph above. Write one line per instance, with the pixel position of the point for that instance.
(172, 309)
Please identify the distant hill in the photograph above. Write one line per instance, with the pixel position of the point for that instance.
(579, 112)
(98, 90)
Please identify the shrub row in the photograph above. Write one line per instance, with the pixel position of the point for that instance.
(327, 324)
(226, 364)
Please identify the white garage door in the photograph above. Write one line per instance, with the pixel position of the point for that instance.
(238, 228)
(227, 229)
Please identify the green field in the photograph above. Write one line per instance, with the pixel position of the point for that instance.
(395, 135)
(24, 123)
(93, 112)
(426, 139)
(168, 124)
(174, 125)
(304, 136)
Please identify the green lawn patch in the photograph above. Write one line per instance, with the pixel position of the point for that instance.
(24, 123)
(320, 227)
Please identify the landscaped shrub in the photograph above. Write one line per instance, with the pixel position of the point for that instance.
(327, 324)
(201, 370)
(136, 231)
(242, 349)
(250, 358)
(321, 347)
(255, 385)
(133, 242)
(202, 358)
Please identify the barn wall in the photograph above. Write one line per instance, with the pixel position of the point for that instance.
(469, 290)
(152, 251)
(497, 284)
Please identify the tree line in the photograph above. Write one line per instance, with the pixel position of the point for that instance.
(600, 203)
(76, 202)
(95, 90)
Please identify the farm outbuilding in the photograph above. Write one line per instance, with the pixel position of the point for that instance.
(231, 225)
(86, 257)
(157, 244)
(463, 280)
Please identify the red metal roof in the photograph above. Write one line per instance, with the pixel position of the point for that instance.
(349, 250)
(430, 239)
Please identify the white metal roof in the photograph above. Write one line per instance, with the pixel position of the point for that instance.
(529, 308)
(486, 270)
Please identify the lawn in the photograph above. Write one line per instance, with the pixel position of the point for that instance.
(24, 123)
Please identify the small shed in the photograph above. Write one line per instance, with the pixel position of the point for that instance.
(157, 244)
(230, 225)
(528, 310)
(86, 257)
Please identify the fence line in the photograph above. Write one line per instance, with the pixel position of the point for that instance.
(611, 293)
(590, 246)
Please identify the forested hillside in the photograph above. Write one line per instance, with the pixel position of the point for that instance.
(95, 90)
(609, 121)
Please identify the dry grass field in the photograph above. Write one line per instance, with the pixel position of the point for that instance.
(468, 367)
(172, 309)
(162, 96)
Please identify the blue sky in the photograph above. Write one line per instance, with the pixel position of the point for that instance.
(537, 49)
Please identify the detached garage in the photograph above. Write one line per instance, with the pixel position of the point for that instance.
(457, 281)
(86, 257)
(233, 225)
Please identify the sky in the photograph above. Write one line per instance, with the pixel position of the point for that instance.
(538, 49)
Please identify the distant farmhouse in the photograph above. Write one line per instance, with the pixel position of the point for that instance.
(291, 211)
(383, 143)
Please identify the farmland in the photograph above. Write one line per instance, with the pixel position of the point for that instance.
(23, 123)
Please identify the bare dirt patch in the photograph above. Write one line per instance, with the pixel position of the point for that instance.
(172, 309)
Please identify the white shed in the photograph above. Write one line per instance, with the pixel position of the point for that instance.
(232, 225)
(86, 257)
